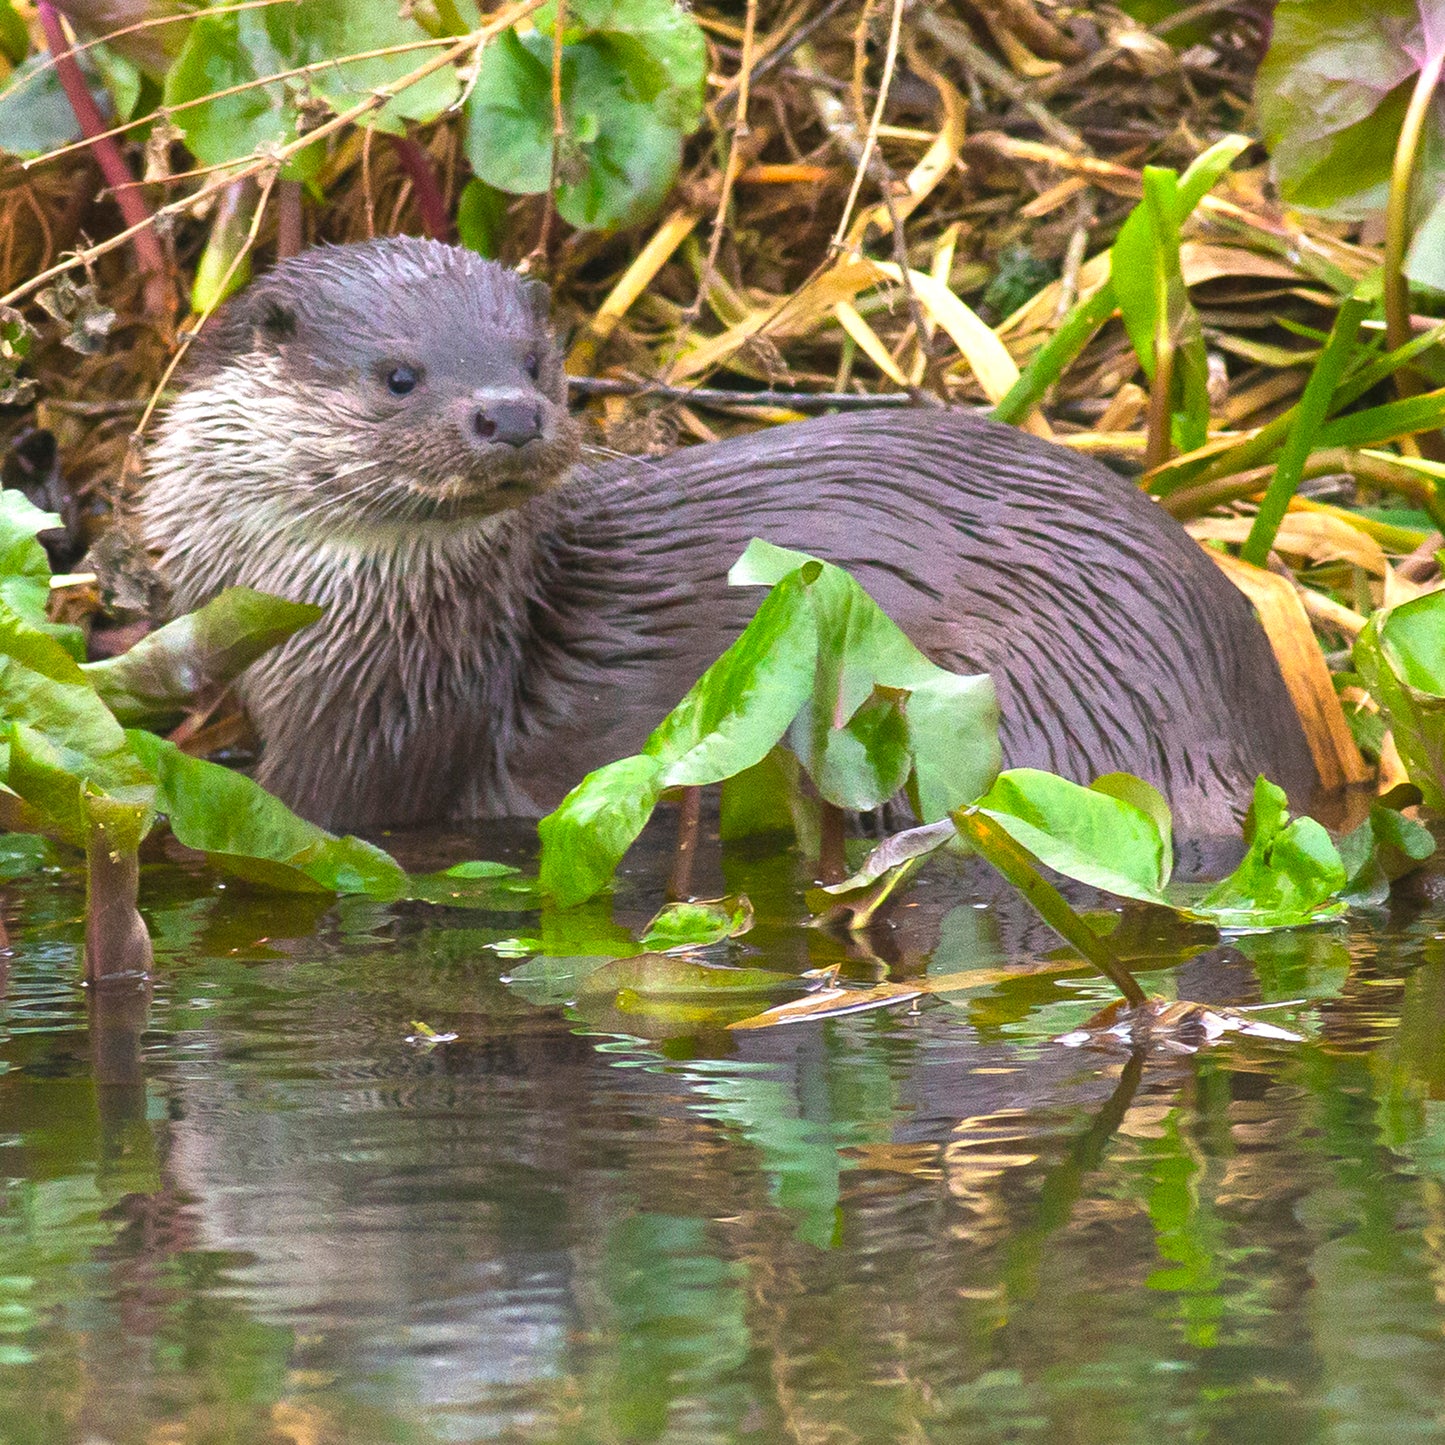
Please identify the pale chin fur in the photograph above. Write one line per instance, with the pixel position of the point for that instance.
(251, 523)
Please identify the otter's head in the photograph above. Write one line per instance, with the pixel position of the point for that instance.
(393, 380)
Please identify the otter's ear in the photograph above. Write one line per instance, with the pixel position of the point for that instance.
(273, 322)
(537, 298)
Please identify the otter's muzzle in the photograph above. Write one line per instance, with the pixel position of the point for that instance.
(504, 421)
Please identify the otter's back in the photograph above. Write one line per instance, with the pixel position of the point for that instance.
(1114, 642)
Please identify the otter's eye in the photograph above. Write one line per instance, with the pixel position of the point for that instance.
(401, 379)
(532, 365)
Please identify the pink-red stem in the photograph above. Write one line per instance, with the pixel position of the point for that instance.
(128, 195)
(425, 190)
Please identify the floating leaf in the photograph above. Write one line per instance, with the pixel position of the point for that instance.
(698, 923)
(1177, 1027)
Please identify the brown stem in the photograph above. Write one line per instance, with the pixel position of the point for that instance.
(832, 856)
(559, 134)
(1159, 446)
(116, 942)
(134, 210)
(290, 219)
(679, 884)
(426, 191)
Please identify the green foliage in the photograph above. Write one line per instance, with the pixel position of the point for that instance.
(1332, 94)
(1114, 835)
(1147, 288)
(223, 51)
(25, 569)
(1401, 657)
(1308, 418)
(238, 825)
(863, 710)
(632, 89)
(1290, 874)
(70, 770)
(155, 683)
(1144, 268)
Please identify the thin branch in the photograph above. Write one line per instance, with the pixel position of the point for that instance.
(585, 386)
(885, 84)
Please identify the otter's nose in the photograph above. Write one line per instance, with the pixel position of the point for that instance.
(513, 422)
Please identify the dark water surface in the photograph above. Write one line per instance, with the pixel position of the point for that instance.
(258, 1214)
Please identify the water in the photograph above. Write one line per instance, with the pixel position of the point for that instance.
(256, 1213)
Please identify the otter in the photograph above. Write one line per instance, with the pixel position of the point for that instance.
(382, 428)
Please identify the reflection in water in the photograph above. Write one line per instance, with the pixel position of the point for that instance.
(256, 1214)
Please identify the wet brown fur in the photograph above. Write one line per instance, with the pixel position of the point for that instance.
(492, 635)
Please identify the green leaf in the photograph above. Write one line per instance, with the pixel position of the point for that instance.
(1331, 95)
(1386, 846)
(1309, 416)
(482, 218)
(62, 784)
(585, 837)
(158, 680)
(744, 703)
(1144, 260)
(951, 721)
(14, 37)
(632, 87)
(1401, 657)
(242, 828)
(1073, 334)
(62, 740)
(25, 569)
(223, 51)
(1289, 874)
(1099, 836)
(35, 116)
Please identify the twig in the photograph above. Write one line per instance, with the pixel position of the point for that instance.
(953, 36)
(134, 210)
(730, 174)
(16, 86)
(885, 84)
(296, 72)
(559, 135)
(189, 334)
(585, 386)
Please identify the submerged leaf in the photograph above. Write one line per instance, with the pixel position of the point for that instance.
(1177, 1027)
